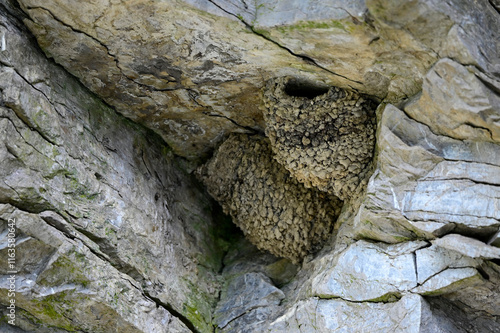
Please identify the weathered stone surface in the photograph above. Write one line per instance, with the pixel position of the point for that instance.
(370, 272)
(468, 246)
(427, 185)
(189, 75)
(480, 298)
(249, 299)
(456, 103)
(434, 259)
(495, 240)
(244, 257)
(68, 285)
(111, 190)
(256, 320)
(337, 32)
(275, 211)
(243, 294)
(193, 70)
(114, 236)
(324, 137)
(474, 39)
(275, 12)
(449, 280)
(463, 319)
(410, 314)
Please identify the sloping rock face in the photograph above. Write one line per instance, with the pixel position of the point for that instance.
(193, 71)
(109, 225)
(395, 230)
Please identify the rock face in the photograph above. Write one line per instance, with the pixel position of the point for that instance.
(250, 286)
(100, 205)
(370, 272)
(355, 217)
(410, 314)
(465, 115)
(420, 197)
(273, 209)
(324, 137)
(193, 71)
(249, 298)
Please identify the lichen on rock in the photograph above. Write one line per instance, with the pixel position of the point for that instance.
(274, 210)
(324, 136)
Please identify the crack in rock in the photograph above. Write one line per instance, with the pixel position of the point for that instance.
(304, 57)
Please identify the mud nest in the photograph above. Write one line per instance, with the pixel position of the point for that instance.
(274, 210)
(324, 136)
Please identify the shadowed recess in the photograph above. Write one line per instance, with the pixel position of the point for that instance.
(303, 88)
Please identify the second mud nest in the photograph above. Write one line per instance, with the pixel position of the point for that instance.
(274, 210)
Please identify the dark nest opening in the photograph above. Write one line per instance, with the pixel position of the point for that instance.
(303, 88)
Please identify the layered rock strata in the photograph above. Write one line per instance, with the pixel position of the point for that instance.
(100, 205)
(193, 70)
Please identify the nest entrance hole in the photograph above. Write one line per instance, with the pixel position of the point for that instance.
(304, 88)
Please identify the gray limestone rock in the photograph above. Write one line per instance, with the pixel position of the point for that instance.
(244, 257)
(369, 272)
(467, 246)
(243, 294)
(495, 239)
(451, 110)
(450, 280)
(193, 71)
(435, 259)
(427, 184)
(480, 298)
(410, 314)
(453, 317)
(62, 283)
(250, 297)
(111, 194)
